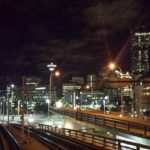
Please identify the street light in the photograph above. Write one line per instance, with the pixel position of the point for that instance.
(9, 97)
(51, 68)
(12, 100)
(18, 107)
(112, 66)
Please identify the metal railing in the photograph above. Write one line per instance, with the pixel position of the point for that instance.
(53, 141)
(95, 140)
(132, 127)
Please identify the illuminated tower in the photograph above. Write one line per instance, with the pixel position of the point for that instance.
(140, 47)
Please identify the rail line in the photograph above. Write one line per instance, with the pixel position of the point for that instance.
(58, 142)
(12, 143)
(102, 142)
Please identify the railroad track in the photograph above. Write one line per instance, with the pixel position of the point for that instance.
(7, 140)
(58, 142)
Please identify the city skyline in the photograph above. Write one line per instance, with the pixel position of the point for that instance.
(80, 37)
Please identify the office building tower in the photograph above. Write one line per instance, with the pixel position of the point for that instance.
(140, 49)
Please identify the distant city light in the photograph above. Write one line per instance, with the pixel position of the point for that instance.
(59, 104)
(112, 66)
(30, 119)
(57, 73)
(87, 87)
(120, 115)
(12, 85)
(30, 83)
(143, 33)
(106, 97)
(40, 88)
(47, 100)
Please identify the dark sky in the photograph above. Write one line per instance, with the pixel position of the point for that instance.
(81, 36)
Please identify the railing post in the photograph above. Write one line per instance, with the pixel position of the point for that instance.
(64, 131)
(95, 119)
(55, 129)
(76, 134)
(114, 123)
(104, 142)
(138, 148)
(76, 115)
(119, 145)
(93, 139)
(128, 126)
(145, 130)
(87, 117)
(80, 116)
(103, 121)
(83, 137)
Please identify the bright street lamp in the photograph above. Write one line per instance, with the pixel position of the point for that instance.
(18, 107)
(51, 68)
(112, 66)
(57, 73)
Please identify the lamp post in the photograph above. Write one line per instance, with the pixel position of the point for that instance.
(12, 100)
(87, 88)
(18, 107)
(81, 94)
(104, 105)
(112, 66)
(51, 68)
(3, 109)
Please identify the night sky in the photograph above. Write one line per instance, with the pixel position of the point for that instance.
(80, 36)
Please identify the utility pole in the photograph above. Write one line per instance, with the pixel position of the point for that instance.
(7, 104)
(23, 96)
(3, 112)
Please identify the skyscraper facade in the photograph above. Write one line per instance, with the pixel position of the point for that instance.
(140, 48)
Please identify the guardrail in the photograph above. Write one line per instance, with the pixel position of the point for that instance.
(136, 128)
(95, 140)
(12, 143)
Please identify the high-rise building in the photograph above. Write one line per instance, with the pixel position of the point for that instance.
(91, 80)
(140, 48)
